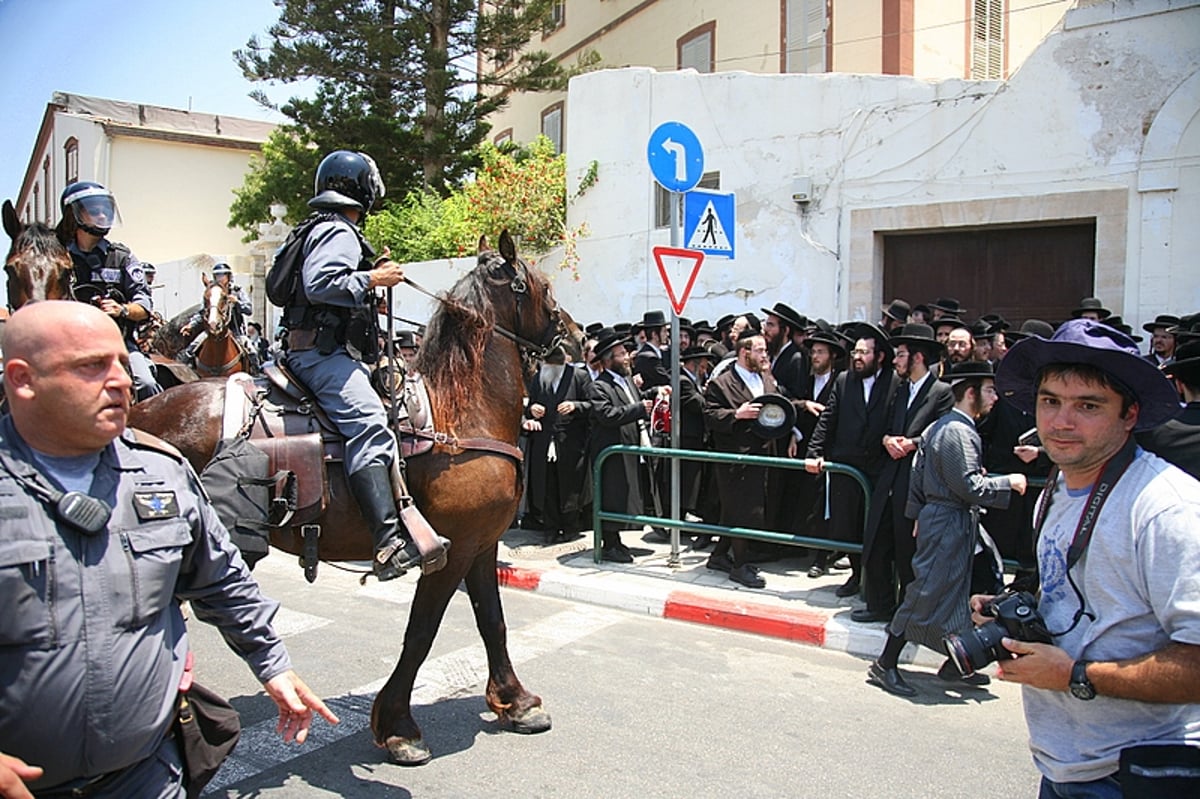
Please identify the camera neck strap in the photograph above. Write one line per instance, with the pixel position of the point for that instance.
(1101, 489)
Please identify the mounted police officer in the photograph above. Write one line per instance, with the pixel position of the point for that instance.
(242, 310)
(117, 280)
(333, 334)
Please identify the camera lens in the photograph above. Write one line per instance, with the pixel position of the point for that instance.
(976, 648)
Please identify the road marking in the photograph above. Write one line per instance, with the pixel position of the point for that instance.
(261, 748)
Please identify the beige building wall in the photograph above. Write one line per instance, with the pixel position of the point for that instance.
(749, 36)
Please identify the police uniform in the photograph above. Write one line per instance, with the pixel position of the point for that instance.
(336, 281)
(112, 265)
(92, 640)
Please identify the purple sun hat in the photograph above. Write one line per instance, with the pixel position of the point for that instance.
(1096, 344)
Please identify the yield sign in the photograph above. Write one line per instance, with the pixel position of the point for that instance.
(678, 269)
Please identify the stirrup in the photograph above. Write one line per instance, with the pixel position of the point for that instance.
(399, 555)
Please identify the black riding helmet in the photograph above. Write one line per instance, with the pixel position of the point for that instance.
(347, 179)
(91, 206)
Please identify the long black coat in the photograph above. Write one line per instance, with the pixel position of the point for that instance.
(1177, 441)
(1011, 527)
(691, 436)
(615, 421)
(570, 436)
(850, 431)
(743, 488)
(790, 371)
(652, 365)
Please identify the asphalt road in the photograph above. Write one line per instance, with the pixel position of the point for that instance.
(642, 707)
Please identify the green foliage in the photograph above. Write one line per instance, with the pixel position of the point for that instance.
(282, 173)
(523, 190)
(395, 79)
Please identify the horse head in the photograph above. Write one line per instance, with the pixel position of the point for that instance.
(38, 265)
(528, 313)
(217, 307)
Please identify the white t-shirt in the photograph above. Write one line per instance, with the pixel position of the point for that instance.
(1140, 576)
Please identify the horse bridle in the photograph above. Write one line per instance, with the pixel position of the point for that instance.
(519, 284)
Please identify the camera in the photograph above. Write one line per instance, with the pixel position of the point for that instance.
(1015, 615)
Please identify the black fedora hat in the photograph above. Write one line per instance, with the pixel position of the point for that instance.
(406, 338)
(947, 304)
(1185, 333)
(591, 330)
(651, 319)
(1162, 320)
(606, 339)
(797, 321)
(1030, 327)
(776, 418)
(1094, 343)
(1117, 323)
(949, 321)
(828, 338)
(725, 322)
(1186, 365)
(686, 324)
(857, 330)
(703, 326)
(980, 329)
(898, 310)
(694, 352)
(1092, 304)
(996, 322)
(917, 333)
(623, 327)
(967, 370)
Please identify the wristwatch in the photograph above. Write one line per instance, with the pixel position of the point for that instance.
(1081, 686)
(124, 311)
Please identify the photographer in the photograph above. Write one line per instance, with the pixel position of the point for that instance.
(1120, 585)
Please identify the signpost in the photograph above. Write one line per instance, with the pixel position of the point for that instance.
(677, 163)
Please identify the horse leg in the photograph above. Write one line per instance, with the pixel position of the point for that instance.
(391, 714)
(507, 698)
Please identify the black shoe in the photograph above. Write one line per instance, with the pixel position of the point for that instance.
(950, 673)
(817, 570)
(747, 575)
(889, 680)
(617, 553)
(660, 534)
(398, 556)
(703, 541)
(848, 588)
(868, 616)
(719, 563)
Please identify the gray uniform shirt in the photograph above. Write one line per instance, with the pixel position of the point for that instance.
(1140, 576)
(92, 641)
(332, 255)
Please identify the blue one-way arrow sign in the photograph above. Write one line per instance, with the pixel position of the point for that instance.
(709, 220)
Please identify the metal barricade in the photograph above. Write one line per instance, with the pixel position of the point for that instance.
(636, 520)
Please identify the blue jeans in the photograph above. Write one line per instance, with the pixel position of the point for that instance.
(1106, 788)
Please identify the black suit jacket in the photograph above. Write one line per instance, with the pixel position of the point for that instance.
(570, 436)
(1177, 441)
(651, 363)
(933, 401)
(850, 431)
(790, 371)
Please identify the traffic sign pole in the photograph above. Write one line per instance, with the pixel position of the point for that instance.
(676, 419)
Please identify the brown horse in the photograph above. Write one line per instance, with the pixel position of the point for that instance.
(38, 266)
(221, 353)
(472, 359)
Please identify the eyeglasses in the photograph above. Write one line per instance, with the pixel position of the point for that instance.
(862, 352)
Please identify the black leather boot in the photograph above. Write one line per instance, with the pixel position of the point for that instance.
(372, 487)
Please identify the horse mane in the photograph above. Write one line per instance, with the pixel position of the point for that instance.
(451, 354)
(39, 239)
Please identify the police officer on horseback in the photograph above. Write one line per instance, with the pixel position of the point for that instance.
(241, 310)
(106, 273)
(333, 334)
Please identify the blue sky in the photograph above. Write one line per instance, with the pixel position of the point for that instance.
(175, 53)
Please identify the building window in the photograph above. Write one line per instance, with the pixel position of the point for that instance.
(555, 18)
(503, 137)
(71, 173)
(46, 182)
(37, 198)
(987, 40)
(552, 125)
(697, 49)
(806, 26)
(662, 198)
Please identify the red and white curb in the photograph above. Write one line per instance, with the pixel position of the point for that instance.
(660, 599)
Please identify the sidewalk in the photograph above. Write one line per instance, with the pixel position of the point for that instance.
(792, 606)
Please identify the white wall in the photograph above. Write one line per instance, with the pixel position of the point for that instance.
(1063, 139)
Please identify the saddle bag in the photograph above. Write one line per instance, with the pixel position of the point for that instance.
(248, 499)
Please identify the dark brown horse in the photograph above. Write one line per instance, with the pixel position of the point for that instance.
(38, 266)
(472, 360)
(221, 353)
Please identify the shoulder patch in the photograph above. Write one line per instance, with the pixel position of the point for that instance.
(148, 441)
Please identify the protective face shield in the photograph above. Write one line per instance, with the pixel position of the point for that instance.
(222, 271)
(92, 206)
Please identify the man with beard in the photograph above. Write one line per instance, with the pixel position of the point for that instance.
(920, 400)
(619, 416)
(960, 345)
(730, 413)
(1162, 340)
(697, 489)
(789, 367)
(850, 431)
(948, 487)
(649, 362)
(557, 423)
(824, 350)
(894, 316)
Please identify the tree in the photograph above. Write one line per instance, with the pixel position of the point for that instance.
(396, 79)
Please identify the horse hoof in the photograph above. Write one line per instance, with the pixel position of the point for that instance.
(533, 720)
(409, 751)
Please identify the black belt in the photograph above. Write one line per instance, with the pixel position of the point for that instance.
(88, 786)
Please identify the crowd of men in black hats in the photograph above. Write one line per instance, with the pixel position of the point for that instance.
(777, 383)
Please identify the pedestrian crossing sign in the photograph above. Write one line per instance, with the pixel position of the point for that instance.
(709, 222)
